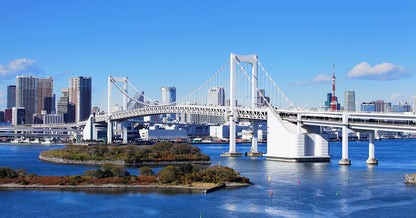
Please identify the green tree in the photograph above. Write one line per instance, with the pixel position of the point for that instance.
(146, 171)
(167, 174)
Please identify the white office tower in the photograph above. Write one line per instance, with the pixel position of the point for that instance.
(349, 101)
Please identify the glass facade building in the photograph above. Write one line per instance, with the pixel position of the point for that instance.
(11, 96)
(167, 97)
(27, 96)
(80, 98)
(349, 100)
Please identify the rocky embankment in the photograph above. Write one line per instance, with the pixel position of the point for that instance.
(410, 179)
(120, 162)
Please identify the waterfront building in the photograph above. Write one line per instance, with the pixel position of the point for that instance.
(402, 107)
(1, 116)
(27, 96)
(168, 97)
(80, 98)
(164, 133)
(38, 118)
(53, 119)
(349, 101)
(46, 98)
(11, 96)
(18, 116)
(368, 107)
(64, 107)
(8, 115)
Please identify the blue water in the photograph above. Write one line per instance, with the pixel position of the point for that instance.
(363, 191)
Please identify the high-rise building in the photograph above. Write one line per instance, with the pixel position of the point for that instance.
(167, 97)
(18, 116)
(262, 99)
(27, 95)
(1, 116)
(80, 97)
(414, 105)
(349, 100)
(8, 115)
(63, 106)
(139, 97)
(46, 98)
(11, 96)
(216, 96)
(382, 106)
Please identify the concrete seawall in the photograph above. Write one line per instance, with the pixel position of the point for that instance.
(119, 162)
(115, 187)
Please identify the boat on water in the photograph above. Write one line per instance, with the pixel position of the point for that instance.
(16, 141)
(46, 142)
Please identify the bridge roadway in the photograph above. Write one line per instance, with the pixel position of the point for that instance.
(400, 122)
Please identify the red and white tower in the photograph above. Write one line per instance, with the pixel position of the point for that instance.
(334, 101)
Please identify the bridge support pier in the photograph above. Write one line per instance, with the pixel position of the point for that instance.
(124, 134)
(109, 131)
(344, 160)
(254, 152)
(371, 157)
(233, 150)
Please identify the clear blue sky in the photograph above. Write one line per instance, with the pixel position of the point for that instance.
(182, 43)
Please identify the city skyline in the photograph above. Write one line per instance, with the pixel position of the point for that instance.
(372, 45)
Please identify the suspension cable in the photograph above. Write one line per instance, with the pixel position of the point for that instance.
(288, 101)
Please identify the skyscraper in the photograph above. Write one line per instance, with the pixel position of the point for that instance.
(46, 98)
(139, 96)
(63, 105)
(168, 96)
(11, 96)
(216, 96)
(80, 97)
(349, 100)
(27, 95)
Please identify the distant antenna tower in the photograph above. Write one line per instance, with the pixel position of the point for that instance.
(334, 102)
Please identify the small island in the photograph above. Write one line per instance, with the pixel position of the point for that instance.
(159, 154)
(112, 176)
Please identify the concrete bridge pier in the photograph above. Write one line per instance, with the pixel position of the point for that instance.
(124, 133)
(254, 152)
(345, 160)
(233, 149)
(109, 131)
(371, 157)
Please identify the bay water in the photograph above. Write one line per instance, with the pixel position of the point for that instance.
(299, 189)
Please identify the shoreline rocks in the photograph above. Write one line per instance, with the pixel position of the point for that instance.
(410, 179)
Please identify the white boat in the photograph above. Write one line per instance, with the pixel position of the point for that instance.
(16, 141)
(36, 141)
(46, 142)
(26, 140)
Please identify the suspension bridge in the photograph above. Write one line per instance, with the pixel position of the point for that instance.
(239, 91)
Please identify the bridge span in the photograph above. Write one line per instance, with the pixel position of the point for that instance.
(292, 135)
